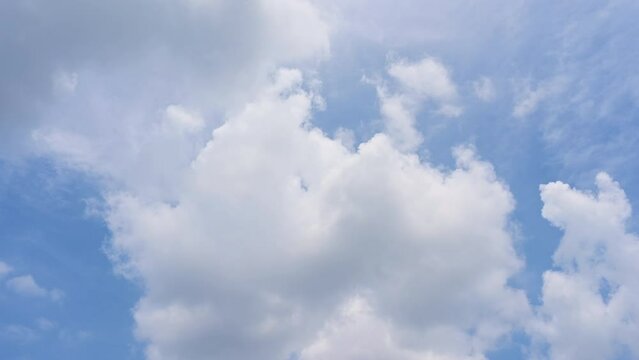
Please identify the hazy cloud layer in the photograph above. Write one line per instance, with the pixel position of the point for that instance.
(415, 85)
(117, 64)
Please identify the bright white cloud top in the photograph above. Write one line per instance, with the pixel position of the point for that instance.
(259, 224)
(590, 304)
(277, 227)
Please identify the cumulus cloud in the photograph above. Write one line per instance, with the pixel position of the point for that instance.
(423, 82)
(255, 235)
(25, 285)
(127, 123)
(590, 303)
(277, 226)
(427, 78)
(356, 333)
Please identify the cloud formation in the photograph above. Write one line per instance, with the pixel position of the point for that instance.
(256, 235)
(25, 285)
(590, 303)
(418, 84)
(278, 226)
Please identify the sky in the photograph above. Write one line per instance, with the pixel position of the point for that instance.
(319, 179)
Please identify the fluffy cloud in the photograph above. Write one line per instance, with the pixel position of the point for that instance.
(423, 82)
(277, 226)
(427, 78)
(590, 303)
(356, 333)
(270, 239)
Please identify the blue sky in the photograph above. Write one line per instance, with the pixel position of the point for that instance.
(48, 234)
(319, 179)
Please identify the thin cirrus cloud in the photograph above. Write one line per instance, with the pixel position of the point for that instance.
(317, 260)
(415, 85)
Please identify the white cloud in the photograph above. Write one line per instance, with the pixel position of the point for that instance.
(296, 30)
(484, 89)
(529, 98)
(425, 81)
(399, 114)
(590, 303)
(25, 285)
(356, 333)
(427, 78)
(252, 240)
(346, 137)
(276, 225)
(119, 135)
(4, 269)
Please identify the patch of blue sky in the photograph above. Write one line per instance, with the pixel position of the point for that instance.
(46, 233)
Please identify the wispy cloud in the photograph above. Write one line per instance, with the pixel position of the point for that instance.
(25, 285)
(4, 269)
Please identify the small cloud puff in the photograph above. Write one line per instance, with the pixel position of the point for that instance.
(4, 269)
(425, 81)
(26, 286)
(484, 89)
